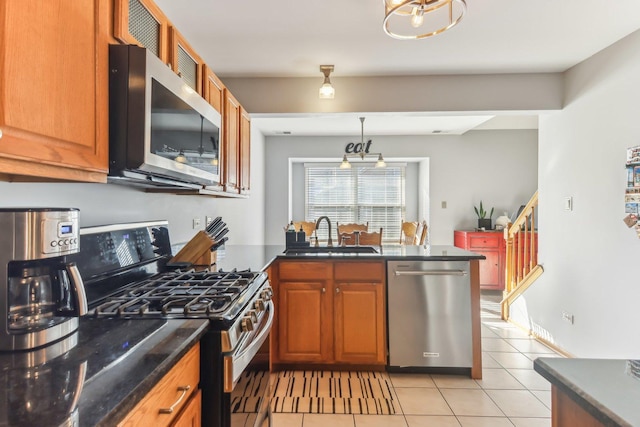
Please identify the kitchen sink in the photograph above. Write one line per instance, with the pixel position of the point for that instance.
(334, 249)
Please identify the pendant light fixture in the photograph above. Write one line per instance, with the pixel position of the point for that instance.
(418, 19)
(362, 154)
(326, 90)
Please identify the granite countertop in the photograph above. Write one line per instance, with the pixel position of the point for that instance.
(603, 387)
(258, 257)
(95, 376)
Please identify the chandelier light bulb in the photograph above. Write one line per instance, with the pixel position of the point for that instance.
(345, 163)
(181, 158)
(326, 90)
(417, 17)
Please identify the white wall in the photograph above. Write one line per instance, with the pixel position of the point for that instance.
(589, 255)
(108, 203)
(498, 167)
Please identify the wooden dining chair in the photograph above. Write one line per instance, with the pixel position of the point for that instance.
(409, 233)
(350, 228)
(423, 232)
(307, 226)
(371, 237)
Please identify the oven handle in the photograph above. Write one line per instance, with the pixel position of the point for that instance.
(237, 362)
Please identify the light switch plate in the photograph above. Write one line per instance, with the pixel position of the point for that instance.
(568, 203)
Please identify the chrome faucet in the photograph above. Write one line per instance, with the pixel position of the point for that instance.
(329, 242)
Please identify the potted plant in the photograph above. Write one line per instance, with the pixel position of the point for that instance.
(483, 221)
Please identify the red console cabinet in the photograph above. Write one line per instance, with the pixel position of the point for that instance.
(492, 245)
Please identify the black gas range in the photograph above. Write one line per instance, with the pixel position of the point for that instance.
(127, 274)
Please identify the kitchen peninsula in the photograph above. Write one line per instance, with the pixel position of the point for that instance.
(331, 307)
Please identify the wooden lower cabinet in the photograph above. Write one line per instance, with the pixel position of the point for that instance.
(191, 415)
(330, 312)
(359, 322)
(304, 317)
(565, 412)
(174, 400)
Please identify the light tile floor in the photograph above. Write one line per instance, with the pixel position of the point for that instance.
(510, 394)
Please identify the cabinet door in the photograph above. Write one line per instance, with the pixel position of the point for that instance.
(54, 89)
(490, 270)
(305, 322)
(169, 396)
(142, 23)
(213, 90)
(359, 323)
(231, 135)
(185, 62)
(245, 152)
(191, 415)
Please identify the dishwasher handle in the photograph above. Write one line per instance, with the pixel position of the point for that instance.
(430, 272)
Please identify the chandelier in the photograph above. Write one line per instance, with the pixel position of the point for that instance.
(418, 19)
(361, 154)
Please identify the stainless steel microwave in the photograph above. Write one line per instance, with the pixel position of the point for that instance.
(162, 133)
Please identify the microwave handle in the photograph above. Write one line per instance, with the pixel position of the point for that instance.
(78, 286)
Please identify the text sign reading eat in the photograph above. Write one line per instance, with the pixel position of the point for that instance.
(358, 147)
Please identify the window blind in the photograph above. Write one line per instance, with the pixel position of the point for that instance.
(360, 194)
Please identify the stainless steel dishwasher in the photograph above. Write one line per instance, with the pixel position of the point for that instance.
(429, 314)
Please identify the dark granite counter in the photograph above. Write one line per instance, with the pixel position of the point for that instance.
(258, 257)
(96, 376)
(602, 387)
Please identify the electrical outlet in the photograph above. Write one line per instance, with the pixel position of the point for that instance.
(444, 204)
(196, 223)
(567, 317)
(207, 220)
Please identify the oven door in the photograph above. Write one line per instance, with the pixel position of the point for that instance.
(247, 378)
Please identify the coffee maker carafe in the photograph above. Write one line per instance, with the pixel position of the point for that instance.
(44, 292)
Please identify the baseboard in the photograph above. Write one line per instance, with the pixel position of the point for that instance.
(541, 340)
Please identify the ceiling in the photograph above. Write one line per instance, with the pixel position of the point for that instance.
(291, 38)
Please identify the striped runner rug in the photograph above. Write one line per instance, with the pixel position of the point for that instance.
(323, 392)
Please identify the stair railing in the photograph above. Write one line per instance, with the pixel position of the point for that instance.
(522, 268)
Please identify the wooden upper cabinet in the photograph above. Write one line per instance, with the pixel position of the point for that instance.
(213, 90)
(231, 143)
(142, 23)
(54, 89)
(245, 152)
(185, 62)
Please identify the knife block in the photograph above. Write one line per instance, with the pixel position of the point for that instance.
(197, 251)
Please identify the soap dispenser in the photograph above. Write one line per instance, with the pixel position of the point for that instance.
(291, 235)
(301, 236)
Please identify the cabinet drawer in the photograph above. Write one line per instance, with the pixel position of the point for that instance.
(168, 393)
(484, 242)
(359, 271)
(304, 270)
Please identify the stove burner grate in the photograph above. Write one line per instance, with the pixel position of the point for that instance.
(180, 294)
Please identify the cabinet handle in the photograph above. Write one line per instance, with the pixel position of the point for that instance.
(184, 389)
(0, 133)
(337, 290)
(324, 290)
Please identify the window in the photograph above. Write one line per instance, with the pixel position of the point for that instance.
(360, 194)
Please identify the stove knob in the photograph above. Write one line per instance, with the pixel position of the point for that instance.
(253, 315)
(259, 305)
(246, 324)
(266, 294)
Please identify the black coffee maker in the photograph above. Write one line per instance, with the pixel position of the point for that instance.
(44, 292)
